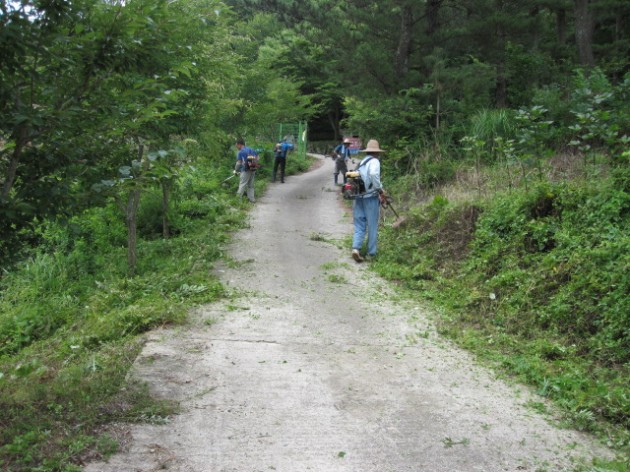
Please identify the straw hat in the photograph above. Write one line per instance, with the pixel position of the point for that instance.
(372, 146)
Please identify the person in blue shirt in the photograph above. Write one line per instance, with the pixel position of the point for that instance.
(280, 152)
(246, 164)
(341, 154)
(366, 207)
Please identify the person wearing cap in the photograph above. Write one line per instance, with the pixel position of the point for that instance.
(342, 153)
(366, 207)
(247, 172)
(280, 158)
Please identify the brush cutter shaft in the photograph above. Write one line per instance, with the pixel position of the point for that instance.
(392, 209)
(230, 177)
(388, 204)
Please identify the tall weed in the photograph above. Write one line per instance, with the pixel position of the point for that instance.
(491, 126)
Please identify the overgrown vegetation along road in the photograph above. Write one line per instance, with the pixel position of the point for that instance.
(70, 316)
(533, 279)
(316, 364)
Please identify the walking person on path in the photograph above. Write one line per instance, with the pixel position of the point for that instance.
(366, 207)
(246, 164)
(280, 152)
(342, 155)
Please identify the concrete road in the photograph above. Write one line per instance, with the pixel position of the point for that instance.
(316, 365)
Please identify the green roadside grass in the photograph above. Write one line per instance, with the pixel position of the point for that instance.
(71, 328)
(72, 320)
(534, 281)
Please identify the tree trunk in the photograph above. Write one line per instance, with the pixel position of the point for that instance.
(403, 52)
(131, 213)
(561, 25)
(21, 140)
(437, 111)
(131, 218)
(584, 32)
(500, 92)
(166, 193)
(11, 173)
(433, 16)
(333, 119)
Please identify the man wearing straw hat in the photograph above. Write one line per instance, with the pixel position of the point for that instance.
(366, 207)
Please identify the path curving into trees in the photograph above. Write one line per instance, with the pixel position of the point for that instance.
(316, 364)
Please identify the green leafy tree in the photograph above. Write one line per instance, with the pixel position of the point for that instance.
(50, 64)
(88, 80)
(267, 92)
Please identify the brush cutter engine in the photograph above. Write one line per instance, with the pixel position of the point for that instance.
(354, 185)
(252, 163)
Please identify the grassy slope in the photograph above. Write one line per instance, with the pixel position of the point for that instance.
(534, 280)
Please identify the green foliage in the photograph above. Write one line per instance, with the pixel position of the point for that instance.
(523, 140)
(600, 119)
(465, 88)
(588, 113)
(297, 164)
(528, 69)
(50, 414)
(533, 132)
(266, 91)
(490, 124)
(283, 102)
(70, 317)
(387, 118)
(95, 81)
(420, 165)
(535, 281)
(571, 243)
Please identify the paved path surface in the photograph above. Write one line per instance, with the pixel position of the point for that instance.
(317, 366)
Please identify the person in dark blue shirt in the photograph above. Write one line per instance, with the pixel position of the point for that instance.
(341, 155)
(280, 152)
(246, 164)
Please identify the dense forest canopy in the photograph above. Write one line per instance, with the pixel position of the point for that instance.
(448, 58)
